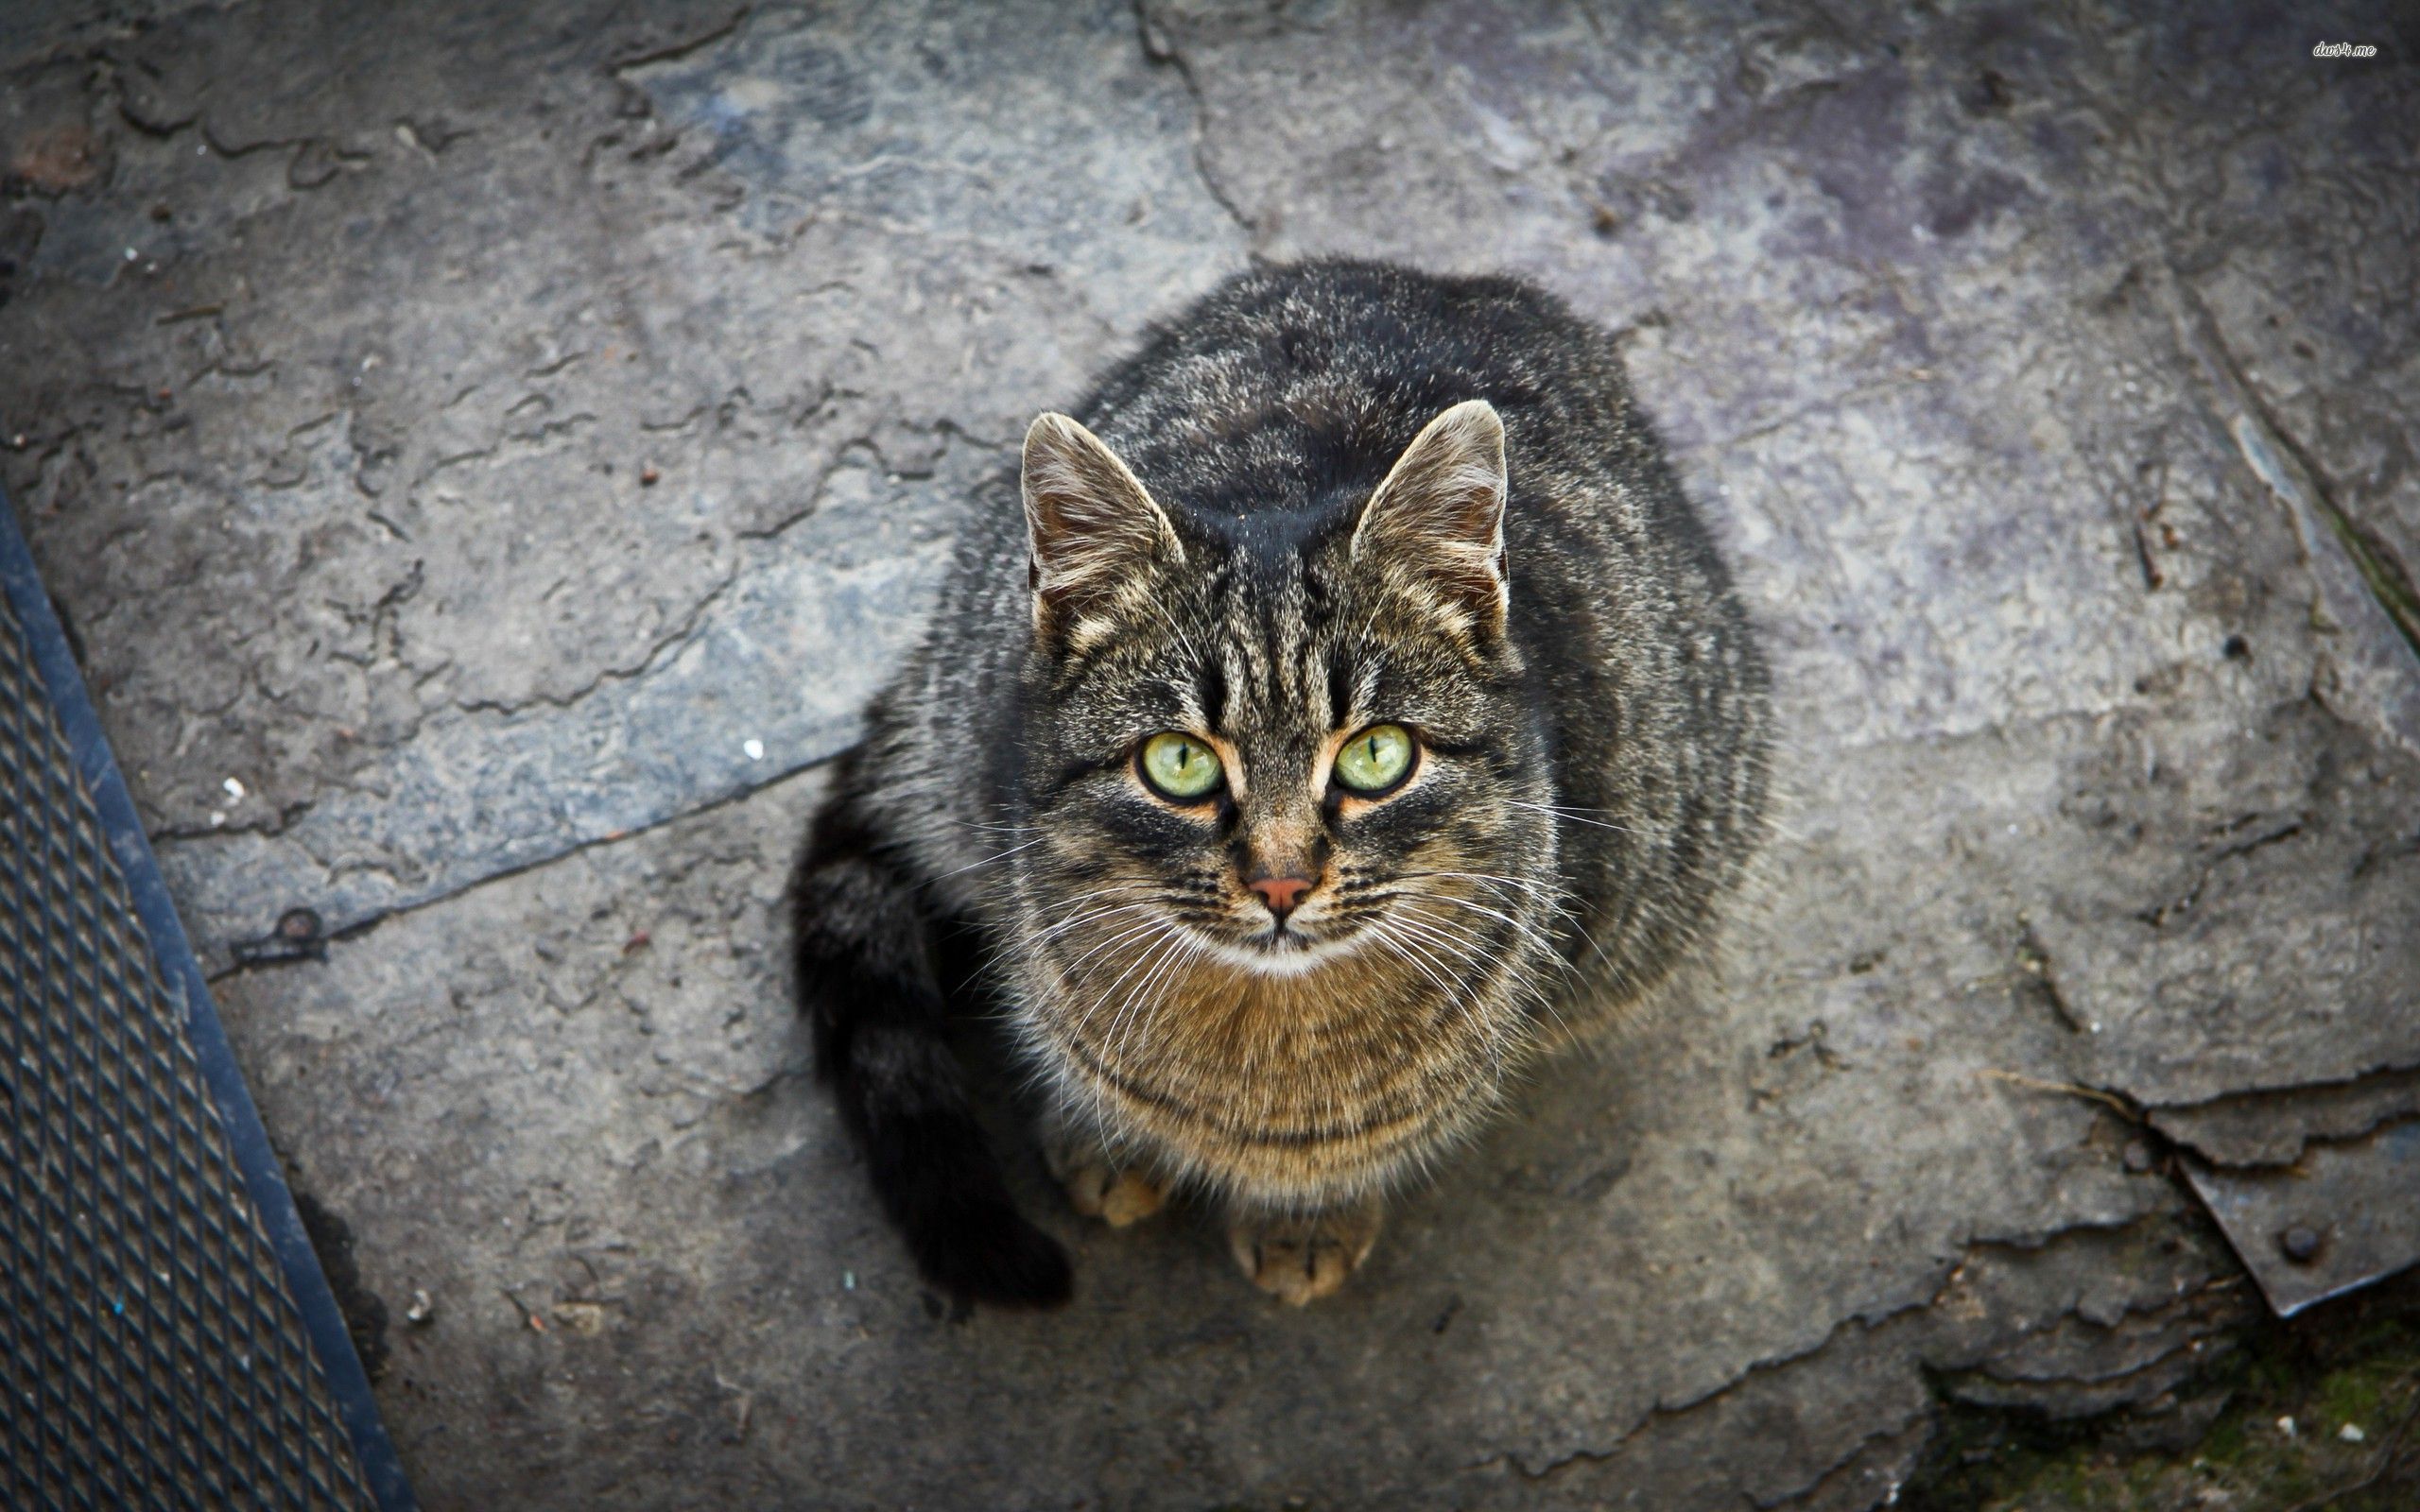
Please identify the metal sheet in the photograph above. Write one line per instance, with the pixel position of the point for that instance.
(2340, 1217)
(167, 1336)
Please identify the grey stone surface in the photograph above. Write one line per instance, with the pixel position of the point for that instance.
(499, 425)
(419, 326)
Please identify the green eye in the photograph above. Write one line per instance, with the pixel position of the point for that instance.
(1374, 760)
(1180, 767)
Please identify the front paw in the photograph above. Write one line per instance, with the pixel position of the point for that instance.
(1097, 1187)
(1299, 1258)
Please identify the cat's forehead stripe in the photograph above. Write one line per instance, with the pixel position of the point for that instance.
(1267, 667)
(1210, 694)
(1309, 699)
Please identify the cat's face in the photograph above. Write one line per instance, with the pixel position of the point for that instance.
(1276, 766)
(1284, 754)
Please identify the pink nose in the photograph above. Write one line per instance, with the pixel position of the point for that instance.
(1281, 893)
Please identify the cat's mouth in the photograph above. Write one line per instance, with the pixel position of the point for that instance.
(1281, 939)
(1285, 947)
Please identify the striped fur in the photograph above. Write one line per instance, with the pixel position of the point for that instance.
(1324, 498)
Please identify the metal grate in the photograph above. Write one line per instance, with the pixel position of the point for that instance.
(150, 1351)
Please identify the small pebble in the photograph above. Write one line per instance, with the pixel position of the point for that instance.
(755, 750)
(648, 475)
(582, 1317)
(235, 789)
(2299, 1243)
(2350, 1434)
(848, 1280)
(422, 1310)
(2286, 1426)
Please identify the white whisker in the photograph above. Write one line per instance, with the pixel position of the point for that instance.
(1070, 973)
(985, 862)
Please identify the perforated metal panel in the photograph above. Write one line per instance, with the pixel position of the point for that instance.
(151, 1349)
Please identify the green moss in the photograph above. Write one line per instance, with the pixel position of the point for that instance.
(2225, 1443)
(2353, 1397)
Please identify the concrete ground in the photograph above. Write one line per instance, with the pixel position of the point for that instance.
(489, 454)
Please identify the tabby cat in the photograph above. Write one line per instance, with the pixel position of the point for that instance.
(1354, 709)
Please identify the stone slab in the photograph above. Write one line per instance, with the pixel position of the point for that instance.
(453, 445)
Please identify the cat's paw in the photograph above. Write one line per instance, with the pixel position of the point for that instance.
(1097, 1187)
(1299, 1258)
(1116, 1197)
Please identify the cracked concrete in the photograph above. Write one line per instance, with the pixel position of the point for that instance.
(513, 452)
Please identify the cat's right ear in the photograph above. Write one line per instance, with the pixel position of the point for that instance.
(1435, 527)
(1096, 540)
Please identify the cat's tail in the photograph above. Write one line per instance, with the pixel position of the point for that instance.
(867, 984)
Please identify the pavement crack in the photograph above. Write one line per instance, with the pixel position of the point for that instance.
(159, 128)
(1859, 1321)
(1160, 52)
(2287, 469)
(220, 369)
(1846, 1463)
(2327, 1140)
(1831, 403)
(845, 454)
(2380, 572)
(2190, 1344)
(2375, 1076)
(673, 51)
(661, 650)
(355, 928)
(2040, 978)
(547, 369)
(2158, 915)
(2028, 1244)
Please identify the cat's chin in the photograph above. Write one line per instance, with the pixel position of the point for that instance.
(1283, 953)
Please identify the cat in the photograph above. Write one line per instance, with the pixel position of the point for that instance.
(1342, 708)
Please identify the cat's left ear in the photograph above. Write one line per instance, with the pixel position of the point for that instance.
(1435, 528)
(1096, 537)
